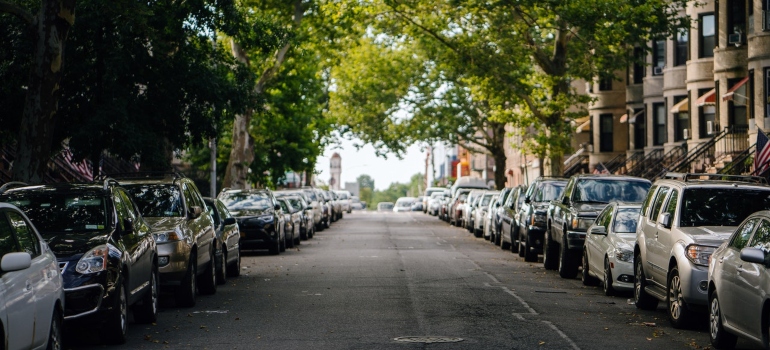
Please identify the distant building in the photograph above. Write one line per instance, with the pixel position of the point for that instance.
(352, 187)
(336, 171)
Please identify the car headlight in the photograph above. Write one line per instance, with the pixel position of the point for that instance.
(167, 236)
(625, 255)
(95, 260)
(266, 219)
(699, 254)
(538, 219)
(582, 223)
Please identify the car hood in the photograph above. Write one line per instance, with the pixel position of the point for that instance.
(590, 209)
(165, 223)
(249, 212)
(625, 242)
(709, 235)
(64, 244)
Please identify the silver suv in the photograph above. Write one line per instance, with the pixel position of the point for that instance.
(683, 219)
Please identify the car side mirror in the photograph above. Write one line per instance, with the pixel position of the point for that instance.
(565, 201)
(497, 204)
(194, 212)
(15, 261)
(750, 254)
(665, 220)
(527, 200)
(277, 207)
(128, 226)
(229, 221)
(598, 230)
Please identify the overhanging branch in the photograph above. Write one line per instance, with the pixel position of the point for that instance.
(17, 11)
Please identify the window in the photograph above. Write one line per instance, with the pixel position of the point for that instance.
(736, 17)
(707, 30)
(707, 121)
(761, 238)
(605, 84)
(672, 201)
(720, 206)
(638, 67)
(658, 203)
(680, 47)
(640, 132)
(605, 132)
(766, 95)
(743, 234)
(7, 242)
(605, 217)
(626, 220)
(647, 201)
(659, 124)
(681, 121)
(24, 234)
(736, 107)
(658, 56)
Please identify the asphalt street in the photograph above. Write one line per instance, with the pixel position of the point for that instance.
(373, 280)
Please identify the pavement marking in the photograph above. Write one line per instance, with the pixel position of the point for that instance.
(524, 303)
(519, 316)
(494, 280)
(564, 336)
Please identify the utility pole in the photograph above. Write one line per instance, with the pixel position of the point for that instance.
(213, 147)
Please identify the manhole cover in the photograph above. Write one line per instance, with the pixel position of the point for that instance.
(428, 339)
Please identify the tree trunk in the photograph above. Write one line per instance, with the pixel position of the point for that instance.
(38, 121)
(500, 160)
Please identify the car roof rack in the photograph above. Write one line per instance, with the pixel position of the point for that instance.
(546, 177)
(717, 177)
(108, 181)
(142, 175)
(12, 184)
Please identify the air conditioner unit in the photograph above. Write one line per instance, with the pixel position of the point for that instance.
(735, 39)
(657, 70)
(709, 128)
(686, 134)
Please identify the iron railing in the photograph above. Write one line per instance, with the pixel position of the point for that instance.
(615, 163)
(576, 165)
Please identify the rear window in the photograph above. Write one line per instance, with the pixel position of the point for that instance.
(62, 212)
(607, 190)
(720, 206)
(548, 191)
(159, 200)
(247, 201)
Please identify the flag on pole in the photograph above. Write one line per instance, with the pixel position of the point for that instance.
(763, 152)
(601, 169)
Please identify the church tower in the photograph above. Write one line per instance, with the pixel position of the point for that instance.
(336, 171)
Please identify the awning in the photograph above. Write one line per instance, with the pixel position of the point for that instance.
(624, 118)
(708, 98)
(584, 127)
(633, 119)
(730, 93)
(681, 107)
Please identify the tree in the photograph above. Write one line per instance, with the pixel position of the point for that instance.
(365, 181)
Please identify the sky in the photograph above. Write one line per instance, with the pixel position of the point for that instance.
(365, 161)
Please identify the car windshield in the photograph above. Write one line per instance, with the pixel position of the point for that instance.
(62, 212)
(295, 203)
(485, 200)
(246, 200)
(342, 195)
(626, 220)
(386, 205)
(720, 206)
(160, 200)
(606, 190)
(311, 194)
(548, 191)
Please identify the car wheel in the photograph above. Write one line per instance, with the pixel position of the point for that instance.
(327, 223)
(719, 336)
(276, 247)
(208, 285)
(550, 251)
(282, 243)
(297, 240)
(147, 311)
(585, 276)
(607, 280)
(642, 300)
(311, 233)
(515, 238)
(529, 253)
(678, 313)
(222, 267)
(234, 269)
(187, 290)
(55, 335)
(117, 323)
(568, 262)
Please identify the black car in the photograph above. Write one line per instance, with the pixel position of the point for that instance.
(509, 220)
(106, 252)
(260, 218)
(533, 214)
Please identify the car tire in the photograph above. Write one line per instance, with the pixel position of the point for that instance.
(503, 244)
(568, 262)
(55, 333)
(719, 336)
(607, 280)
(297, 241)
(678, 312)
(187, 290)
(208, 285)
(282, 243)
(642, 300)
(327, 223)
(515, 239)
(222, 267)
(530, 255)
(234, 269)
(116, 325)
(585, 275)
(311, 233)
(550, 251)
(147, 310)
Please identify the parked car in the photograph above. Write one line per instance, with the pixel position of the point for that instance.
(434, 202)
(509, 218)
(292, 222)
(385, 206)
(336, 205)
(345, 200)
(455, 206)
(308, 228)
(417, 205)
(608, 254)
(356, 204)
(738, 285)
(574, 211)
(31, 292)
(427, 196)
(498, 211)
(184, 232)
(403, 204)
(104, 249)
(327, 211)
(684, 218)
(469, 206)
(480, 212)
(315, 204)
(532, 216)
(489, 218)
(260, 218)
(228, 238)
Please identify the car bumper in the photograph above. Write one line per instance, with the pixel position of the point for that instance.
(535, 235)
(575, 240)
(178, 256)
(622, 275)
(694, 284)
(258, 239)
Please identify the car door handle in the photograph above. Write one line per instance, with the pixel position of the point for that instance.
(721, 259)
(656, 236)
(28, 286)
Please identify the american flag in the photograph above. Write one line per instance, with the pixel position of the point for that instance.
(763, 153)
(601, 169)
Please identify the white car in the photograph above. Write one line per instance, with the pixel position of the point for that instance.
(608, 253)
(344, 198)
(31, 292)
(403, 204)
(480, 212)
